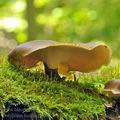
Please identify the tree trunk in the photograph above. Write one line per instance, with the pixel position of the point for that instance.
(30, 17)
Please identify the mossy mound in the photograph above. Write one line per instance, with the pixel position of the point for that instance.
(62, 100)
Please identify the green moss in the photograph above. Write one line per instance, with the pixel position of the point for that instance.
(64, 99)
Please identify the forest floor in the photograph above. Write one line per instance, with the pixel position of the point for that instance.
(29, 94)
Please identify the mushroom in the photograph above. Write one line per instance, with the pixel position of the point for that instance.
(61, 57)
(112, 88)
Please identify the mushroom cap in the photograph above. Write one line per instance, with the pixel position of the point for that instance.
(21, 51)
(70, 57)
(29, 47)
(112, 88)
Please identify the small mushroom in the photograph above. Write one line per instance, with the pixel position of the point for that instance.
(112, 88)
(61, 57)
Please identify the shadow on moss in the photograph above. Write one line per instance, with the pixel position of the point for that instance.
(17, 111)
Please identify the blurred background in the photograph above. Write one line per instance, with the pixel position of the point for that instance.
(60, 20)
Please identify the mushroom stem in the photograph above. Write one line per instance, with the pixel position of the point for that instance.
(52, 73)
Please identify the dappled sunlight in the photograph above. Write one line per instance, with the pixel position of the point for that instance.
(12, 23)
(19, 6)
